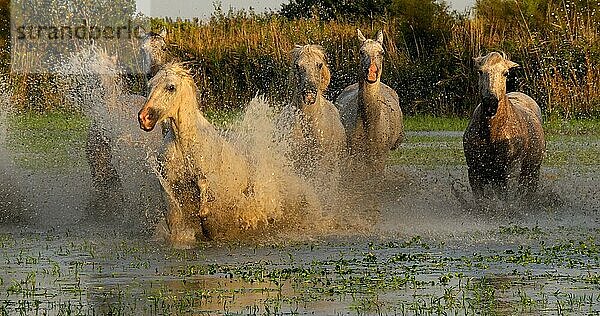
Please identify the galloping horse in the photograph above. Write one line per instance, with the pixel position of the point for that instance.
(317, 135)
(505, 133)
(370, 110)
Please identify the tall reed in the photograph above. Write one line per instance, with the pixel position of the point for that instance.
(237, 55)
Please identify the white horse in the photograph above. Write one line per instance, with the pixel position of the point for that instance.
(370, 110)
(198, 163)
(317, 135)
(218, 188)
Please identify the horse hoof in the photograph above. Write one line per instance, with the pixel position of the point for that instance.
(184, 239)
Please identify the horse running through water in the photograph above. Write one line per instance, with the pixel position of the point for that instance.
(504, 134)
(370, 110)
(114, 141)
(317, 137)
(107, 181)
(216, 188)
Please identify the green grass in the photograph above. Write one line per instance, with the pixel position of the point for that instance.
(47, 140)
(434, 123)
(57, 139)
(587, 127)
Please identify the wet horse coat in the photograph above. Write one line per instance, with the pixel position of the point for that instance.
(197, 162)
(317, 134)
(370, 110)
(504, 134)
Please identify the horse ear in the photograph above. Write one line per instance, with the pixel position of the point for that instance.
(380, 37)
(361, 37)
(325, 77)
(478, 61)
(163, 33)
(511, 64)
(295, 53)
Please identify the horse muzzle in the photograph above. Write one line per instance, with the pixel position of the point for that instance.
(147, 119)
(309, 97)
(372, 73)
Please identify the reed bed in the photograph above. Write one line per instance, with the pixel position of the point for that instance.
(238, 55)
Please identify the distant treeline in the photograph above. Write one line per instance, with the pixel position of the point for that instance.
(429, 50)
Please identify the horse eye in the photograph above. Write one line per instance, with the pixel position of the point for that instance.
(171, 87)
(505, 73)
(480, 71)
(320, 65)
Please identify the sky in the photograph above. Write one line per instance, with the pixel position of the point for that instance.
(204, 8)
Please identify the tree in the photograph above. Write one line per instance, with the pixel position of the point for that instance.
(335, 10)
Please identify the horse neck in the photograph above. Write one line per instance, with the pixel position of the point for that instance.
(369, 95)
(312, 110)
(191, 126)
(504, 113)
(495, 125)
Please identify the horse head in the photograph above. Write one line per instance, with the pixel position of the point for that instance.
(493, 69)
(154, 51)
(371, 57)
(170, 89)
(309, 67)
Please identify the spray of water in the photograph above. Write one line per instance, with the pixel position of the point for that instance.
(117, 149)
(284, 201)
(12, 209)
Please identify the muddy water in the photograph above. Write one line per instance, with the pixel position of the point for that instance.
(416, 252)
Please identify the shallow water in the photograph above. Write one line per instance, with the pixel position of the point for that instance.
(421, 254)
(402, 245)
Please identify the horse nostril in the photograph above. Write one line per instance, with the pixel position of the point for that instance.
(309, 95)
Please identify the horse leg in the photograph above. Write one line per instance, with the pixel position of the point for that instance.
(205, 198)
(105, 179)
(477, 183)
(182, 219)
(528, 179)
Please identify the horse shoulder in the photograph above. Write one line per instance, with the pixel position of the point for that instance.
(524, 102)
(392, 102)
(171, 158)
(531, 120)
(389, 95)
(347, 98)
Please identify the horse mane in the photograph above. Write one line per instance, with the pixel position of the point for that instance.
(314, 52)
(177, 69)
(493, 57)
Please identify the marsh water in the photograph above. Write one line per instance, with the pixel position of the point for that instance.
(400, 245)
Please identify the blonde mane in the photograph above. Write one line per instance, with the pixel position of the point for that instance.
(316, 53)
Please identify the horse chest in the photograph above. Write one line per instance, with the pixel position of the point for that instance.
(376, 120)
(176, 164)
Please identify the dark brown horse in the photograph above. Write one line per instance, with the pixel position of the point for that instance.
(504, 135)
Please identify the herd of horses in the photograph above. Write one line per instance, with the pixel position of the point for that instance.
(204, 170)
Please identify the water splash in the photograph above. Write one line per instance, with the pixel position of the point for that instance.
(115, 142)
(12, 209)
